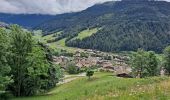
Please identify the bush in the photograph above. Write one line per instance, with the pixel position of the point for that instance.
(5, 95)
(84, 69)
(89, 73)
(71, 68)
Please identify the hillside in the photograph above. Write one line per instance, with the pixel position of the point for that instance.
(104, 86)
(25, 20)
(59, 44)
(125, 26)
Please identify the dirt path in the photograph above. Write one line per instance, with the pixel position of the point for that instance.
(69, 78)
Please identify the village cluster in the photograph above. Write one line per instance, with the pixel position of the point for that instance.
(104, 61)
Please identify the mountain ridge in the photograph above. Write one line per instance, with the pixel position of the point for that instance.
(26, 20)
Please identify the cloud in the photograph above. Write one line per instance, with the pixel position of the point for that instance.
(46, 6)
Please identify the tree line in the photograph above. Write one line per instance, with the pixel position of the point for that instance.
(26, 66)
(146, 63)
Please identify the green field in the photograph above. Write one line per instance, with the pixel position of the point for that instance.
(105, 86)
(60, 45)
(57, 46)
(86, 33)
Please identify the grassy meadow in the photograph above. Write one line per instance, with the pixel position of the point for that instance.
(105, 86)
(86, 33)
(60, 44)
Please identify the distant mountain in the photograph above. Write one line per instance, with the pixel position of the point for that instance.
(25, 20)
(125, 25)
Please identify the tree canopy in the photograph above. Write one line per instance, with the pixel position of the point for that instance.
(25, 64)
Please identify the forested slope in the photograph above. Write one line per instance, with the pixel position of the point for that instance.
(125, 25)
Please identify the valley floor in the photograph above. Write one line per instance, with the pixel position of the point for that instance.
(105, 86)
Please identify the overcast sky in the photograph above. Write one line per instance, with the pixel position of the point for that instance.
(46, 6)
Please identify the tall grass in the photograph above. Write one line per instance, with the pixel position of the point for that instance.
(105, 86)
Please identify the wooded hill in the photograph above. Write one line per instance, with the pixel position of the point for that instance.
(124, 26)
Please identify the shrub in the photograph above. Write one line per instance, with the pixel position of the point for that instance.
(71, 68)
(5, 95)
(89, 73)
